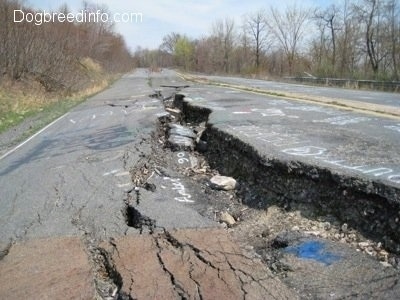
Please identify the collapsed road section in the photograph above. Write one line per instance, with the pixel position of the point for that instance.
(329, 164)
(310, 199)
(296, 215)
(235, 196)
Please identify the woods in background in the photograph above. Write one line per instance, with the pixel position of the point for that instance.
(61, 56)
(357, 39)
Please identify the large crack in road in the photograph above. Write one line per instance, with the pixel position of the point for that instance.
(191, 264)
(290, 229)
(370, 208)
(353, 219)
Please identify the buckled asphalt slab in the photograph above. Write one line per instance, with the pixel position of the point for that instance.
(186, 263)
(192, 264)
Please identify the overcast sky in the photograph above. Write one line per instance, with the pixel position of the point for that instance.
(161, 17)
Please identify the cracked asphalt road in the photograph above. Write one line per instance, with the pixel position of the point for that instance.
(63, 215)
(375, 97)
(70, 178)
(65, 194)
(339, 139)
(200, 264)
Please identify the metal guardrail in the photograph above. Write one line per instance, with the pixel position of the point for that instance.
(389, 86)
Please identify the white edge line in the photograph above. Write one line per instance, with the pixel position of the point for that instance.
(122, 174)
(111, 172)
(32, 137)
(124, 185)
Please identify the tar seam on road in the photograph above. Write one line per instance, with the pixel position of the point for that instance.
(32, 137)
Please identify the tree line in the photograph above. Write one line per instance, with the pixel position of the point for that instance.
(59, 55)
(357, 39)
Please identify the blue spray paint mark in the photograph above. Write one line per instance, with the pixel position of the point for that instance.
(315, 250)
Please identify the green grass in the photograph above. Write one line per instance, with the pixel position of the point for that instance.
(47, 113)
(10, 119)
(11, 111)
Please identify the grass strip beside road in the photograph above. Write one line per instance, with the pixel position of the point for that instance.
(37, 109)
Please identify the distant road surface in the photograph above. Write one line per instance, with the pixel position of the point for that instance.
(382, 98)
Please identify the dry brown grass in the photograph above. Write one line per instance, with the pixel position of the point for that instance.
(21, 99)
(94, 88)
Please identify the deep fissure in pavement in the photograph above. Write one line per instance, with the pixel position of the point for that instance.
(136, 220)
(5, 249)
(265, 186)
(369, 207)
(140, 174)
(177, 287)
(107, 279)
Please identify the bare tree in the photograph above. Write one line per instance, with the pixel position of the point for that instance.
(223, 34)
(203, 60)
(257, 27)
(354, 39)
(53, 53)
(394, 29)
(243, 53)
(370, 14)
(288, 28)
(347, 39)
(327, 19)
(169, 41)
(371, 32)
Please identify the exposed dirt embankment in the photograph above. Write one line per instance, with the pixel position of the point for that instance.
(371, 208)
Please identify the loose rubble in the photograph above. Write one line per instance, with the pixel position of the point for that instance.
(257, 222)
(227, 219)
(181, 138)
(325, 226)
(223, 183)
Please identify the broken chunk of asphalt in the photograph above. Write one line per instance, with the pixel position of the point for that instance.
(174, 112)
(191, 264)
(182, 131)
(178, 142)
(170, 204)
(223, 183)
(226, 218)
(181, 138)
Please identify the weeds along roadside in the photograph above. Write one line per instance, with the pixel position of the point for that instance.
(20, 101)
